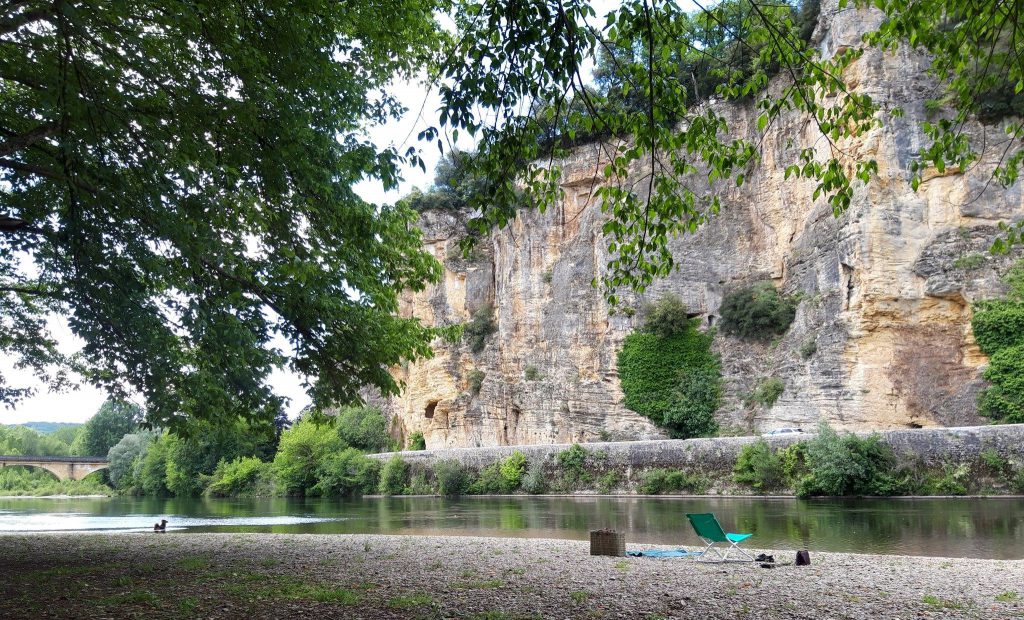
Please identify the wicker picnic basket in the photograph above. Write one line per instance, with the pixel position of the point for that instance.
(607, 542)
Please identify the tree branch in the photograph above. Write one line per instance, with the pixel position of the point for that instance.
(26, 139)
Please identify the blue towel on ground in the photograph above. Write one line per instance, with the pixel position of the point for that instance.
(662, 553)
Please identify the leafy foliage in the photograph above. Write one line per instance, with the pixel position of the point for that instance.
(176, 181)
(123, 458)
(849, 465)
(516, 83)
(364, 428)
(245, 476)
(757, 312)
(302, 449)
(760, 467)
(505, 476)
(479, 327)
(998, 327)
(417, 441)
(346, 474)
(394, 477)
(769, 391)
(476, 381)
(114, 420)
(667, 317)
(675, 381)
(659, 480)
(452, 478)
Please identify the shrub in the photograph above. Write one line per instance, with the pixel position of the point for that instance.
(505, 476)
(345, 474)
(659, 480)
(809, 348)
(998, 324)
(691, 410)
(952, 481)
(512, 470)
(667, 317)
(607, 482)
(970, 261)
(479, 327)
(302, 448)
(535, 481)
(674, 381)
(573, 461)
(1003, 401)
(394, 476)
(759, 467)
(757, 312)
(489, 481)
(452, 478)
(531, 373)
(769, 391)
(849, 465)
(476, 381)
(245, 476)
(364, 428)
(416, 441)
(999, 330)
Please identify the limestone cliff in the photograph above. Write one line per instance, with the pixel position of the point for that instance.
(886, 290)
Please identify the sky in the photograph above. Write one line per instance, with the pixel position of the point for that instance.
(421, 103)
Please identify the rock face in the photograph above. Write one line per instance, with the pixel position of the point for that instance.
(885, 289)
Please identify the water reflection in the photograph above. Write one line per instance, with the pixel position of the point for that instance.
(980, 528)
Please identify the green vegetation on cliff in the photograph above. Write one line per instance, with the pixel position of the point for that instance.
(998, 326)
(668, 372)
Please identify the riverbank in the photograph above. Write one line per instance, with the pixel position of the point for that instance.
(361, 576)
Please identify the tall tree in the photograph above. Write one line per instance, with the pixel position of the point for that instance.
(176, 180)
(103, 431)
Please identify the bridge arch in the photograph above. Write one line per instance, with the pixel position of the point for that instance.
(65, 468)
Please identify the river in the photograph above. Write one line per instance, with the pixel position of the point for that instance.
(951, 527)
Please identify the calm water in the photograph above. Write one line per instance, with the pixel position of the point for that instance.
(978, 528)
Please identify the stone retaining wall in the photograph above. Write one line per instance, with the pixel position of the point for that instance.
(931, 445)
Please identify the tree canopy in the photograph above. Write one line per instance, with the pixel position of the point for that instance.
(176, 180)
(666, 159)
(176, 177)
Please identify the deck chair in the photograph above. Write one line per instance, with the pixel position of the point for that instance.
(710, 531)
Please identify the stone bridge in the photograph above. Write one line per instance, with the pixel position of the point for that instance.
(64, 467)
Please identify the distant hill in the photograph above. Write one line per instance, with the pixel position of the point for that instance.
(48, 427)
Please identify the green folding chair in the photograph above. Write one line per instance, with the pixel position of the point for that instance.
(710, 531)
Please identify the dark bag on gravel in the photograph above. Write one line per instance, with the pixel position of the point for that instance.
(803, 558)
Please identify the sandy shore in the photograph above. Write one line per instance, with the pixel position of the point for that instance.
(361, 576)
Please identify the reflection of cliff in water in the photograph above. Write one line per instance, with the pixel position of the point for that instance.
(950, 527)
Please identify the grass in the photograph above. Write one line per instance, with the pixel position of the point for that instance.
(408, 601)
(196, 562)
(1007, 597)
(187, 605)
(622, 565)
(579, 596)
(257, 586)
(939, 603)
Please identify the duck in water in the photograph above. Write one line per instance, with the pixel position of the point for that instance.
(160, 527)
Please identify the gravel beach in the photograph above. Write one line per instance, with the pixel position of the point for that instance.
(183, 575)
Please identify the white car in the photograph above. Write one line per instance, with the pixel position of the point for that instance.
(783, 431)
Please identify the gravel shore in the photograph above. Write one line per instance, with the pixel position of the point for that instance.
(182, 575)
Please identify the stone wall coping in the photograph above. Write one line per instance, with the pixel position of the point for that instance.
(929, 443)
